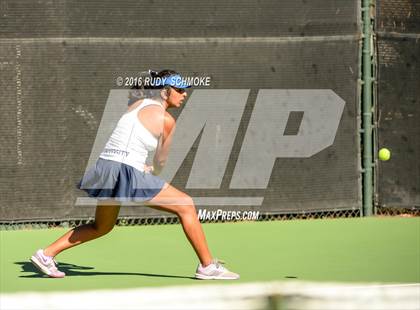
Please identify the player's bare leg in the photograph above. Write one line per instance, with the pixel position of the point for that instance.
(105, 218)
(172, 200)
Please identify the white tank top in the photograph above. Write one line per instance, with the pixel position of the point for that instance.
(130, 142)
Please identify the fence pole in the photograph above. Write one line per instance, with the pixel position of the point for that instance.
(367, 109)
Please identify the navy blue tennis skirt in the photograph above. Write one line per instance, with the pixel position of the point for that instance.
(111, 179)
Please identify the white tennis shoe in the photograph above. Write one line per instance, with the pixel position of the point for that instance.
(215, 271)
(46, 265)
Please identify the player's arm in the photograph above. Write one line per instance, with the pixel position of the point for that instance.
(164, 143)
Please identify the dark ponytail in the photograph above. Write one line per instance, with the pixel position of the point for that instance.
(141, 91)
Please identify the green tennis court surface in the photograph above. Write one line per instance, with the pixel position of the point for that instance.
(383, 250)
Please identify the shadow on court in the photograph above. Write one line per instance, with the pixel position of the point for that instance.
(76, 270)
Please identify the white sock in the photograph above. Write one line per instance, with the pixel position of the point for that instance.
(46, 256)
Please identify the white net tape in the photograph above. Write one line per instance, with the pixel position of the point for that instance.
(270, 295)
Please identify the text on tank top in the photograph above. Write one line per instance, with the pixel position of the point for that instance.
(130, 142)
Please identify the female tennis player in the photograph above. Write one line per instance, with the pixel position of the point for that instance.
(121, 174)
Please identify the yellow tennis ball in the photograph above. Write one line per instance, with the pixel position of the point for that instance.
(384, 154)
